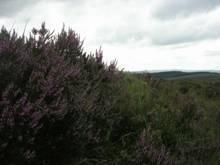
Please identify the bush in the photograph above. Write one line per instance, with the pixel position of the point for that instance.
(54, 98)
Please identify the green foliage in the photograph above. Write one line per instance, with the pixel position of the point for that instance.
(135, 95)
(186, 120)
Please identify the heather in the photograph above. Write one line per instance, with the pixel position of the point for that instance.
(61, 105)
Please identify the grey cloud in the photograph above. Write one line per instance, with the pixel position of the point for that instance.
(184, 38)
(168, 9)
(9, 8)
(215, 53)
(182, 31)
(75, 2)
(120, 35)
(124, 37)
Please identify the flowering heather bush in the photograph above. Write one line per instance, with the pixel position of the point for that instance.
(54, 98)
(148, 152)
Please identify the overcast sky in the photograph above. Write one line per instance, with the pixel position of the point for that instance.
(139, 34)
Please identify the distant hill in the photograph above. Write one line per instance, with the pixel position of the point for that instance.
(172, 75)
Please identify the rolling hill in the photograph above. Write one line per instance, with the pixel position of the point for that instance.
(172, 75)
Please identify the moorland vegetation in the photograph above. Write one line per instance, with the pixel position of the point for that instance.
(60, 105)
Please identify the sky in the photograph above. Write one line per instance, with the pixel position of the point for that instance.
(138, 34)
